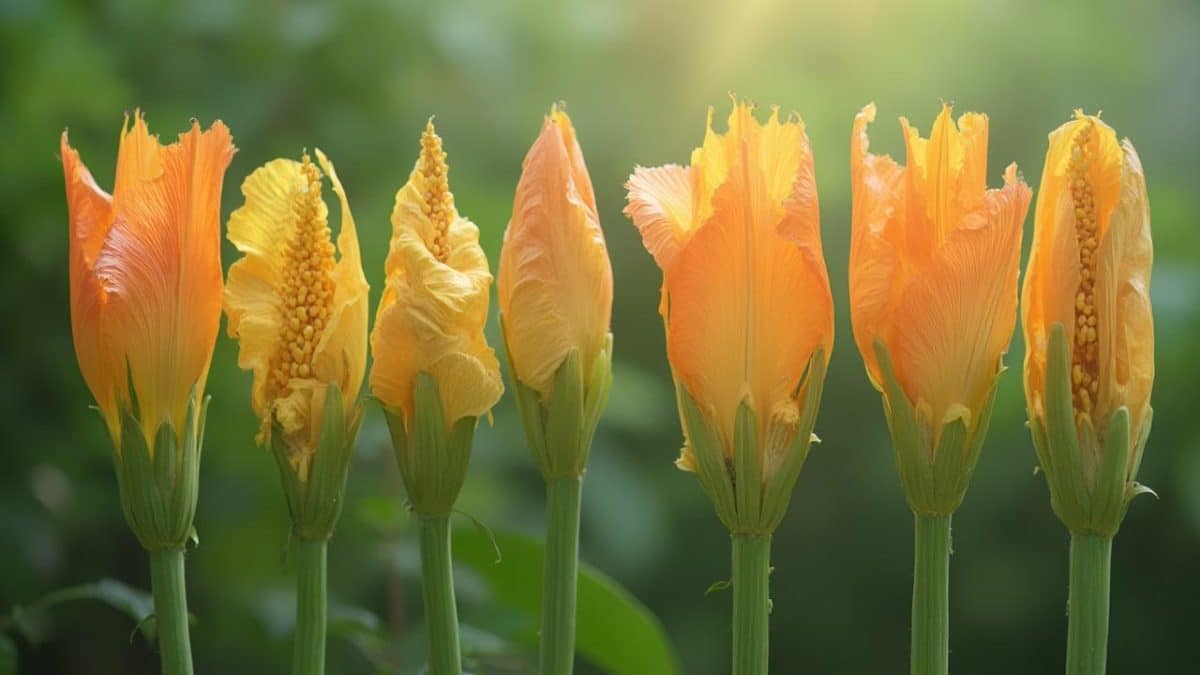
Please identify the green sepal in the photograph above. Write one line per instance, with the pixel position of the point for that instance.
(712, 469)
(748, 463)
(935, 478)
(559, 427)
(316, 503)
(778, 492)
(433, 459)
(1090, 477)
(159, 484)
(750, 493)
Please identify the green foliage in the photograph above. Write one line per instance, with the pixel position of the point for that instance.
(613, 631)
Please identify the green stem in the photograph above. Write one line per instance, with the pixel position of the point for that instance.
(560, 576)
(1087, 632)
(931, 597)
(170, 610)
(437, 589)
(308, 646)
(751, 603)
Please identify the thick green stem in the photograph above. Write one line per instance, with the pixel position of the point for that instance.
(308, 646)
(931, 597)
(1087, 632)
(437, 589)
(170, 610)
(560, 576)
(751, 603)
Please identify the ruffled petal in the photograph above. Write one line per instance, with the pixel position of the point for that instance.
(260, 229)
(434, 307)
(660, 205)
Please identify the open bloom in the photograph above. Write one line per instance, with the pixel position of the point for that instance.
(435, 302)
(146, 273)
(1089, 276)
(746, 304)
(555, 277)
(297, 305)
(934, 256)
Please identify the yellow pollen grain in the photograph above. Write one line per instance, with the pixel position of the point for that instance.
(306, 291)
(1085, 368)
(438, 201)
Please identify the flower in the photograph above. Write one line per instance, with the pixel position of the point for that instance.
(745, 298)
(435, 302)
(1087, 320)
(299, 314)
(145, 267)
(555, 277)
(934, 257)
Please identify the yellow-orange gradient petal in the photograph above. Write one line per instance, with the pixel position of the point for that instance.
(555, 282)
(146, 270)
(748, 300)
(1089, 270)
(934, 258)
(296, 303)
(435, 302)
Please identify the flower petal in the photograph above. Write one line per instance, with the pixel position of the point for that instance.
(260, 229)
(91, 215)
(341, 353)
(660, 205)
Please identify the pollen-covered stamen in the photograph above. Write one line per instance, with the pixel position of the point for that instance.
(1084, 359)
(438, 201)
(306, 291)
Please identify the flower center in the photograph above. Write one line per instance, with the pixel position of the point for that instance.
(1084, 359)
(306, 292)
(438, 200)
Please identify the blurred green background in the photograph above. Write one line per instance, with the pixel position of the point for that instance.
(359, 79)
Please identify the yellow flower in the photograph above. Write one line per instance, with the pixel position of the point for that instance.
(555, 278)
(145, 268)
(934, 257)
(1088, 281)
(746, 298)
(435, 302)
(300, 316)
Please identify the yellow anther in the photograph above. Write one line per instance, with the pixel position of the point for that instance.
(437, 197)
(305, 292)
(1084, 366)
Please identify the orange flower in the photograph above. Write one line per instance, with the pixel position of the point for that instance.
(934, 256)
(146, 273)
(746, 298)
(555, 280)
(1089, 274)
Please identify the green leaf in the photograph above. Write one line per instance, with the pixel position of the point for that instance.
(133, 602)
(613, 630)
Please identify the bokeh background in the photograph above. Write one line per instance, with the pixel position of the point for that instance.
(359, 79)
